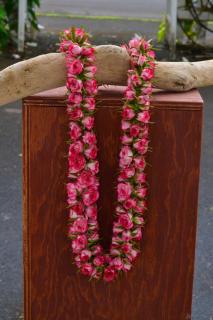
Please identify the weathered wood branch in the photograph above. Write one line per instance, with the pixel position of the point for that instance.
(48, 71)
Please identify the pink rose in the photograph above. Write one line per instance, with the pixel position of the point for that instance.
(126, 236)
(117, 263)
(89, 103)
(125, 125)
(91, 212)
(134, 130)
(139, 220)
(75, 131)
(128, 113)
(88, 52)
(76, 163)
(129, 204)
(140, 162)
(99, 261)
(79, 33)
(129, 94)
(109, 274)
(89, 138)
(87, 269)
(144, 99)
(85, 255)
(141, 177)
(90, 72)
(135, 43)
(76, 67)
(91, 152)
(76, 210)
(91, 86)
(72, 193)
(137, 234)
(124, 191)
(90, 196)
(125, 139)
(151, 54)
(86, 178)
(141, 192)
(96, 250)
(127, 247)
(74, 84)
(76, 147)
(75, 113)
(141, 59)
(125, 221)
(141, 146)
(75, 97)
(134, 80)
(125, 156)
(79, 243)
(147, 90)
(80, 225)
(74, 49)
(93, 166)
(127, 173)
(147, 74)
(145, 44)
(143, 116)
(88, 122)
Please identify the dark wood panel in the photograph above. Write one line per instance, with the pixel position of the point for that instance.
(159, 287)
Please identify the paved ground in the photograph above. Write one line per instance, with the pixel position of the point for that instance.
(10, 186)
(124, 8)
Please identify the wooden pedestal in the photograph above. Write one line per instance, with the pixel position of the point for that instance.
(159, 287)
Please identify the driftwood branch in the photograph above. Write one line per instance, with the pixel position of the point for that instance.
(48, 71)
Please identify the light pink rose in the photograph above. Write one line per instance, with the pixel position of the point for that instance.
(90, 196)
(75, 97)
(137, 234)
(147, 74)
(125, 221)
(71, 192)
(79, 243)
(124, 191)
(128, 113)
(75, 85)
(96, 250)
(99, 261)
(147, 90)
(109, 274)
(141, 146)
(143, 116)
(88, 122)
(126, 235)
(75, 67)
(75, 131)
(89, 138)
(151, 54)
(93, 166)
(80, 225)
(91, 152)
(87, 178)
(91, 86)
(125, 156)
(80, 33)
(134, 130)
(76, 163)
(134, 80)
(139, 220)
(87, 269)
(85, 255)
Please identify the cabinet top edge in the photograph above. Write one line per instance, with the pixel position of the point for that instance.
(189, 99)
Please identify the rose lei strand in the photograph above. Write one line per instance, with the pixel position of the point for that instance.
(83, 185)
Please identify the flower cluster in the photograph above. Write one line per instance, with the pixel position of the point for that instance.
(83, 185)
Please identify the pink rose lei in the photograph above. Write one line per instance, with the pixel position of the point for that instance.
(83, 185)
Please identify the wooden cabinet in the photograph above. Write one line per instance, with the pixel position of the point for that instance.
(159, 287)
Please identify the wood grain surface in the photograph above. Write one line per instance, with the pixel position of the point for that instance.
(159, 287)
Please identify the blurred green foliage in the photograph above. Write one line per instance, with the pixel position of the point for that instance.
(9, 20)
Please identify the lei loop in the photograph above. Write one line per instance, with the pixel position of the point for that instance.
(83, 185)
